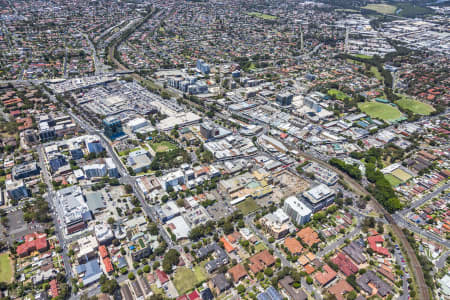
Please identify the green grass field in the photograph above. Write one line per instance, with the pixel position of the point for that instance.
(262, 16)
(381, 111)
(337, 94)
(6, 268)
(394, 181)
(381, 8)
(363, 56)
(376, 73)
(186, 279)
(260, 247)
(247, 206)
(415, 106)
(163, 146)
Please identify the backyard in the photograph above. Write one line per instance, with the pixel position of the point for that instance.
(186, 279)
(6, 268)
(381, 111)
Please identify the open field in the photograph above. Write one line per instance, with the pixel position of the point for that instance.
(394, 181)
(262, 16)
(415, 106)
(401, 175)
(381, 8)
(247, 206)
(186, 279)
(381, 111)
(363, 56)
(338, 94)
(6, 268)
(163, 146)
(376, 73)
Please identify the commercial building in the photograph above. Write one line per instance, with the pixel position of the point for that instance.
(137, 123)
(16, 189)
(113, 128)
(111, 168)
(139, 161)
(276, 223)
(93, 144)
(95, 170)
(25, 170)
(318, 197)
(322, 174)
(104, 234)
(73, 212)
(298, 211)
(203, 67)
(284, 99)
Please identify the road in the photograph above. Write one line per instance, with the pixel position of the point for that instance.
(50, 198)
(424, 199)
(125, 177)
(336, 244)
(416, 268)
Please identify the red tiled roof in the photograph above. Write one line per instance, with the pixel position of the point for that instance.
(260, 261)
(293, 245)
(108, 265)
(345, 265)
(237, 272)
(162, 276)
(308, 236)
(373, 241)
(103, 252)
(228, 247)
(194, 295)
(54, 288)
(326, 276)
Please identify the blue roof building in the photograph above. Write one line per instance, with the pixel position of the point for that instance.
(90, 272)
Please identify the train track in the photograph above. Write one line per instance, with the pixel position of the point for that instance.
(423, 292)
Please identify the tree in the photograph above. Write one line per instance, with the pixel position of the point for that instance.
(241, 289)
(131, 276)
(309, 280)
(146, 269)
(111, 220)
(110, 286)
(268, 272)
(128, 189)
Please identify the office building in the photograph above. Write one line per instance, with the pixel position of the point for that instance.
(95, 170)
(93, 144)
(202, 66)
(16, 189)
(318, 197)
(72, 209)
(113, 128)
(284, 99)
(25, 170)
(297, 210)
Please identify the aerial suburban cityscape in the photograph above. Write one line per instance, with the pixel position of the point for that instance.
(224, 149)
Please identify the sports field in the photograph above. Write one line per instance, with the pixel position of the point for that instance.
(394, 181)
(6, 268)
(381, 8)
(401, 175)
(415, 106)
(381, 111)
(262, 16)
(163, 146)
